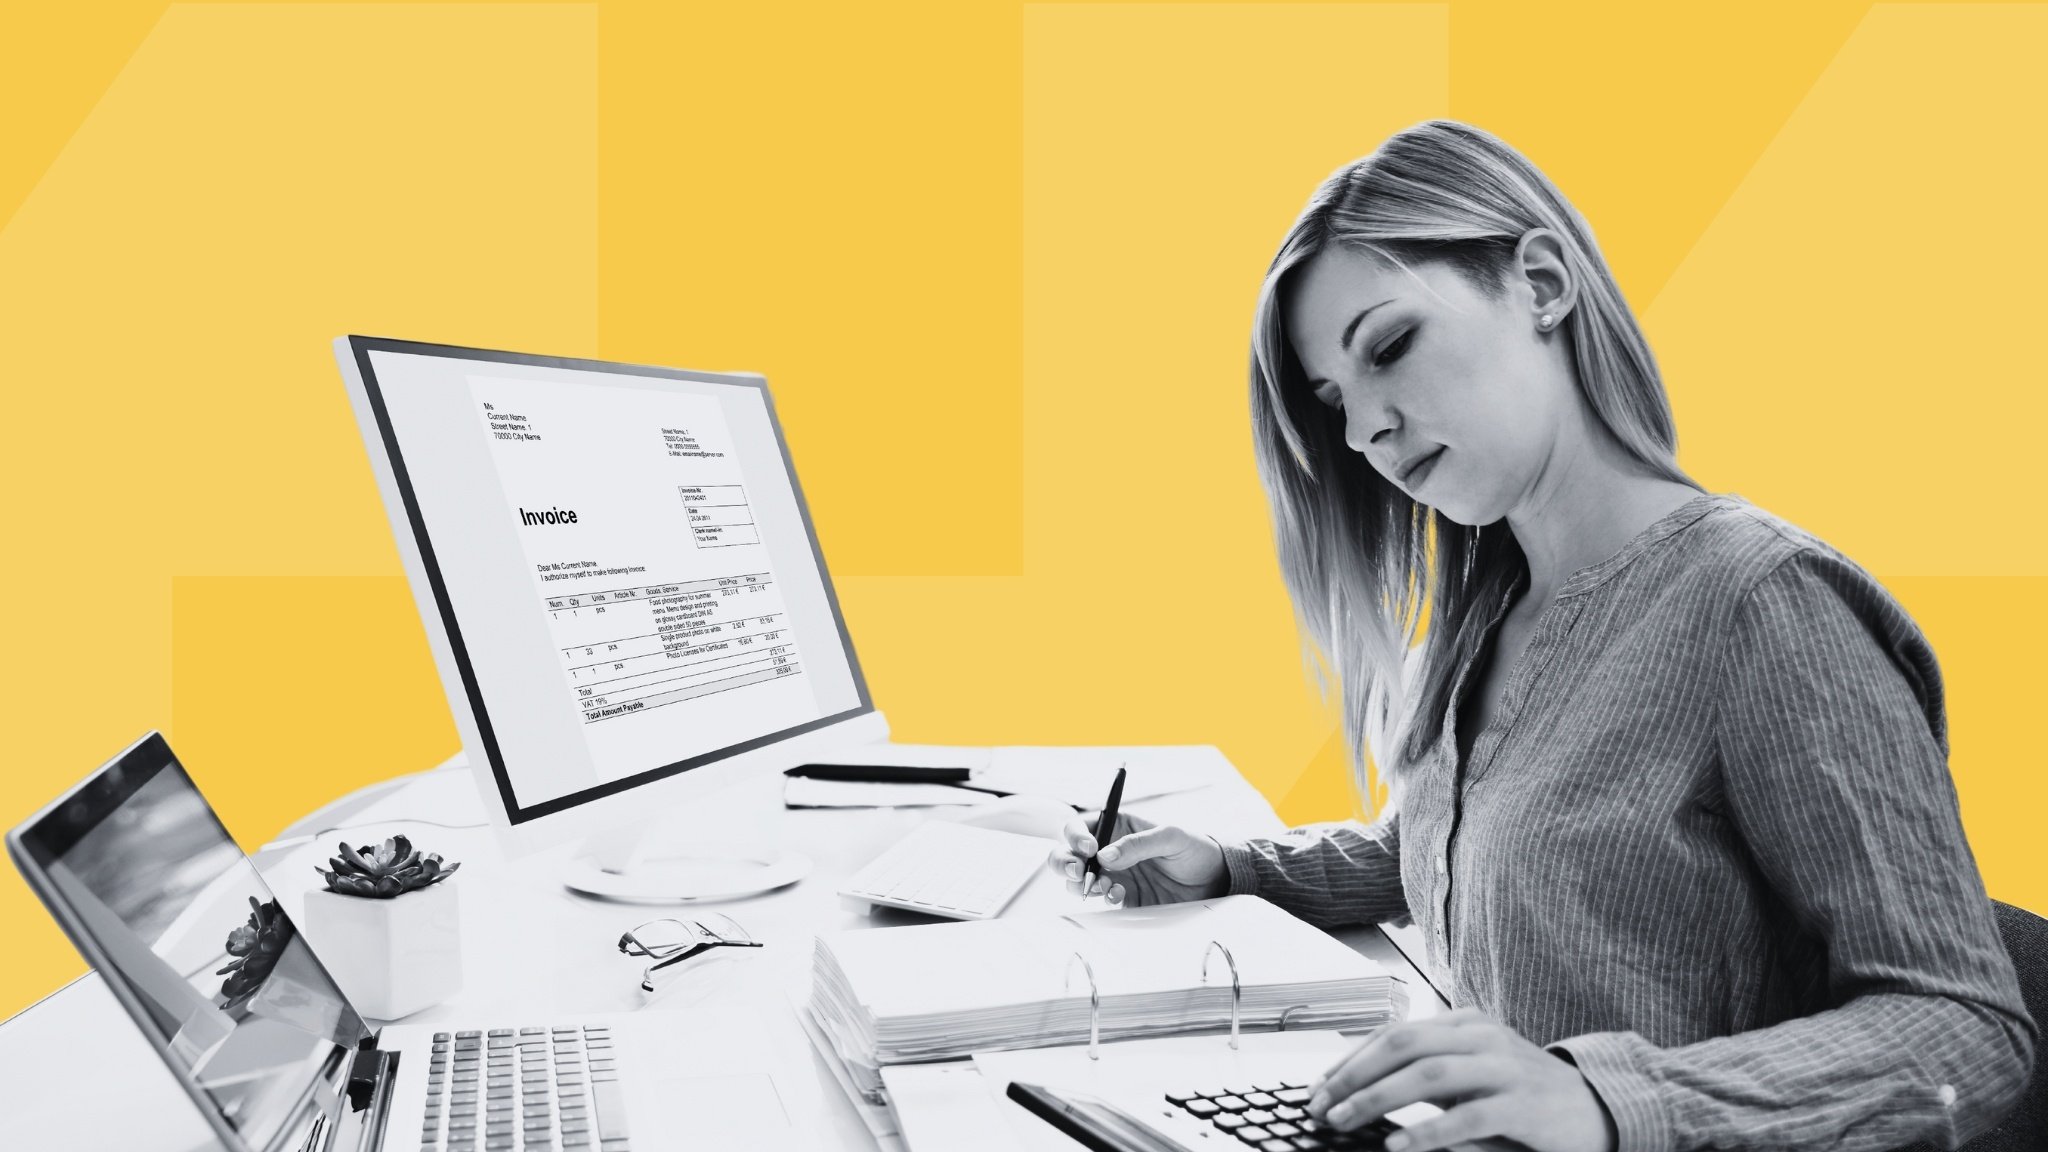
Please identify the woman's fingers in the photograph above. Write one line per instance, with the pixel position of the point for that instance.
(1079, 836)
(1430, 1078)
(1460, 1126)
(1149, 844)
(1391, 1048)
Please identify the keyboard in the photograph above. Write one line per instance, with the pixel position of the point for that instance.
(952, 870)
(1274, 1118)
(524, 1090)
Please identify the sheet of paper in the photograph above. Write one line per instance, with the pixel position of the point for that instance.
(1081, 775)
(879, 1120)
(946, 1107)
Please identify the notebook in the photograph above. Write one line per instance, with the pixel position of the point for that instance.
(928, 992)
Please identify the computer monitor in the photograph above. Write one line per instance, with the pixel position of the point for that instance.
(620, 583)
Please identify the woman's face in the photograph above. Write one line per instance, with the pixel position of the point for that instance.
(1425, 366)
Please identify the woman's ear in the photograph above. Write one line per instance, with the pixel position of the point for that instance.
(1541, 273)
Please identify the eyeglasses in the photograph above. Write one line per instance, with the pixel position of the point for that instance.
(669, 942)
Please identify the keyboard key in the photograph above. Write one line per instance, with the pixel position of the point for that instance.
(1203, 1107)
(1231, 1103)
(1292, 1095)
(1253, 1135)
(611, 1112)
(1230, 1121)
(1260, 1100)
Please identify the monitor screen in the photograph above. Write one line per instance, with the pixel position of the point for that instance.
(183, 923)
(622, 562)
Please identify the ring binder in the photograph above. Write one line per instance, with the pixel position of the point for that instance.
(1285, 1012)
(1236, 991)
(1095, 1007)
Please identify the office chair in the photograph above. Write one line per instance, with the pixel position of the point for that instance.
(2026, 938)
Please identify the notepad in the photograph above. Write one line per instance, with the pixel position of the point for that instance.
(943, 991)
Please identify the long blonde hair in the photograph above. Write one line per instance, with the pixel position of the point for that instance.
(1357, 553)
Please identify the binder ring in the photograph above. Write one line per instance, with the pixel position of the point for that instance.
(1235, 991)
(1094, 1004)
(1288, 1011)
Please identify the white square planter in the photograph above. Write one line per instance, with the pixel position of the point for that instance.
(391, 957)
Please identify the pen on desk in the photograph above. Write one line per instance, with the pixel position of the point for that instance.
(899, 774)
(1105, 830)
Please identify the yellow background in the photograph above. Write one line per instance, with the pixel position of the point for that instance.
(997, 261)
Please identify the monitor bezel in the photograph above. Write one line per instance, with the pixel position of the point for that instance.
(416, 549)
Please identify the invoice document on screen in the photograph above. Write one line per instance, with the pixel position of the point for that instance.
(647, 565)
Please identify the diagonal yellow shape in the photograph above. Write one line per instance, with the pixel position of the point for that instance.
(257, 180)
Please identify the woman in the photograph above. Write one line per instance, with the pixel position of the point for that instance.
(1668, 775)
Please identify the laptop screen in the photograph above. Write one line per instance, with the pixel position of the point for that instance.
(174, 914)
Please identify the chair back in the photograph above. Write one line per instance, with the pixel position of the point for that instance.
(2025, 1129)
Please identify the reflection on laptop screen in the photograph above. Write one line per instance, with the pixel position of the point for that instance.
(181, 920)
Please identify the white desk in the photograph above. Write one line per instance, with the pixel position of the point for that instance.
(75, 1074)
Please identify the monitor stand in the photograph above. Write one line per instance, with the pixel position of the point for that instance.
(719, 851)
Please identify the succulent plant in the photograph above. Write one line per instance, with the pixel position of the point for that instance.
(255, 947)
(384, 870)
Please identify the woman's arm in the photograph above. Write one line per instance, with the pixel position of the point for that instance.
(1327, 874)
(1833, 746)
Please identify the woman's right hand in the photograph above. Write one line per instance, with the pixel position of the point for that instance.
(1143, 863)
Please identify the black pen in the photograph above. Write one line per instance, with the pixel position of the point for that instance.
(1105, 827)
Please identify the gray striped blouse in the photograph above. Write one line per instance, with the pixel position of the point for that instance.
(1709, 850)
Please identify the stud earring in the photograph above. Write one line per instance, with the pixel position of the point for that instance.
(1546, 319)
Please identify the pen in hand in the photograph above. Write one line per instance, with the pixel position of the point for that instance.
(1105, 830)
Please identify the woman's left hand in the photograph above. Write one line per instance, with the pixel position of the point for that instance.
(1489, 1080)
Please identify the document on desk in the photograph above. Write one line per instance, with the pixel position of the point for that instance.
(657, 632)
(895, 995)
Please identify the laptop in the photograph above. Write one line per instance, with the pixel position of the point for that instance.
(139, 871)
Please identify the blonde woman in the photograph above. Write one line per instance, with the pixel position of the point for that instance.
(1669, 794)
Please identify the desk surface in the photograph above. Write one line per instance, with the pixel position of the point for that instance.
(74, 1072)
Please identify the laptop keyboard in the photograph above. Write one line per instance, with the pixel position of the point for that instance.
(524, 1090)
(1274, 1118)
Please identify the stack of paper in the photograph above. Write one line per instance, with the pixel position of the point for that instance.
(941, 991)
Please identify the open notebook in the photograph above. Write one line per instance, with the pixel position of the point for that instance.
(942, 991)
